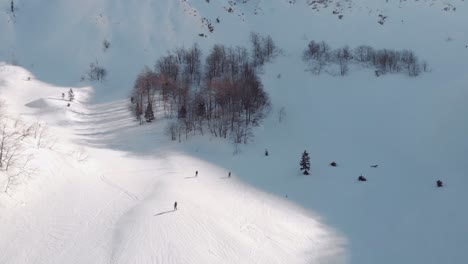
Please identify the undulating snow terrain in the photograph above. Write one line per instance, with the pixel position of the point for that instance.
(102, 188)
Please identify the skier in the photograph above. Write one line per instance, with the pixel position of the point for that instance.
(63, 96)
(362, 178)
(266, 152)
(229, 175)
(196, 173)
(333, 164)
(439, 183)
(175, 206)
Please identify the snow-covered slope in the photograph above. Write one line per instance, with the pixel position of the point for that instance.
(102, 206)
(45, 36)
(104, 193)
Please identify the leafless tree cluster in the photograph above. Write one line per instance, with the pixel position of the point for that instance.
(222, 96)
(96, 72)
(319, 55)
(263, 49)
(14, 158)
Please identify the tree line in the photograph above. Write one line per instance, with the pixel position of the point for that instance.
(320, 55)
(220, 94)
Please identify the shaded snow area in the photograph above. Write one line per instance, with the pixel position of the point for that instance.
(100, 188)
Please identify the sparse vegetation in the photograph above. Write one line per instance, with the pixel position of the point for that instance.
(14, 155)
(96, 72)
(319, 55)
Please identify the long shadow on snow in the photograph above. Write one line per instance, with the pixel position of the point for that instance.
(166, 212)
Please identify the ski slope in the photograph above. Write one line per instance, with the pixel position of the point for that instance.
(105, 192)
(106, 206)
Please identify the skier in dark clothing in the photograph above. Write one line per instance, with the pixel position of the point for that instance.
(229, 175)
(175, 206)
(196, 173)
(266, 152)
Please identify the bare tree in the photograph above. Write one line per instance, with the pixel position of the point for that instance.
(105, 45)
(281, 114)
(343, 56)
(317, 54)
(13, 157)
(8, 141)
(96, 72)
(263, 49)
(42, 136)
(20, 170)
(425, 66)
(258, 57)
(270, 48)
(171, 130)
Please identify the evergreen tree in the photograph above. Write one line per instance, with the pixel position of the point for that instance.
(305, 163)
(149, 114)
(71, 95)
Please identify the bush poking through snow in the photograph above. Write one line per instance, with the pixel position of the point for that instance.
(105, 45)
(281, 114)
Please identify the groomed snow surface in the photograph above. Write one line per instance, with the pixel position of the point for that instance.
(104, 191)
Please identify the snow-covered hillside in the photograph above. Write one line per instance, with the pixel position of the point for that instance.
(103, 192)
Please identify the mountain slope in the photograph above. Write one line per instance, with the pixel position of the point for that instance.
(104, 208)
